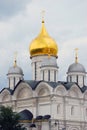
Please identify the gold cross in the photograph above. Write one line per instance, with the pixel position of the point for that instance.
(76, 55)
(15, 55)
(15, 58)
(43, 14)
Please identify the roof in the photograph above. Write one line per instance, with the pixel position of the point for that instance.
(8, 89)
(76, 67)
(15, 70)
(33, 84)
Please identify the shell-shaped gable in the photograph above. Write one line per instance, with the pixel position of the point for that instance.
(23, 91)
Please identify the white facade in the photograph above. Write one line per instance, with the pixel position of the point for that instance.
(69, 108)
(65, 102)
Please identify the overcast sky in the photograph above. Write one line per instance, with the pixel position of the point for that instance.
(20, 22)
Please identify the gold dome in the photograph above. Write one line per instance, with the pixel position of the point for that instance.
(43, 44)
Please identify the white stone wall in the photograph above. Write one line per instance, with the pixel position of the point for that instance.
(58, 103)
(40, 62)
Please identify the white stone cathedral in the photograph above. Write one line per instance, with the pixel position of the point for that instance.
(44, 103)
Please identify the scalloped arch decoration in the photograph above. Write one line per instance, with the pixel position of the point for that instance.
(73, 128)
(60, 90)
(6, 98)
(24, 93)
(43, 92)
(85, 95)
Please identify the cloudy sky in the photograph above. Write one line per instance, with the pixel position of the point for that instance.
(20, 22)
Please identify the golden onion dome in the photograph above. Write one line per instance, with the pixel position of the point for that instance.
(43, 44)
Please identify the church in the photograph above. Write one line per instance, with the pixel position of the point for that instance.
(45, 103)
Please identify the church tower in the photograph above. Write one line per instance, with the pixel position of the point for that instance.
(76, 72)
(43, 53)
(15, 74)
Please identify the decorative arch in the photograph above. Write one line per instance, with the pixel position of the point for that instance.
(74, 91)
(85, 95)
(60, 90)
(5, 95)
(73, 128)
(43, 89)
(23, 91)
(6, 98)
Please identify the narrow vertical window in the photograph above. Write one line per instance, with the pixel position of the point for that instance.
(14, 81)
(70, 78)
(48, 75)
(67, 78)
(55, 76)
(35, 70)
(9, 82)
(77, 79)
(58, 108)
(72, 110)
(83, 80)
(43, 74)
(86, 111)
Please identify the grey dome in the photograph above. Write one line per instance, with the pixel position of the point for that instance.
(76, 67)
(15, 70)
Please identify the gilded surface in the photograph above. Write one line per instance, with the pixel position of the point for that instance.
(43, 44)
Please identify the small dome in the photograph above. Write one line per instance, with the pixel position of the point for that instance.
(15, 70)
(76, 67)
(43, 44)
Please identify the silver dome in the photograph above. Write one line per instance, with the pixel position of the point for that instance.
(76, 67)
(15, 70)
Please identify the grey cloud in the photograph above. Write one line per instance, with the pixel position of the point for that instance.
(9, 8)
